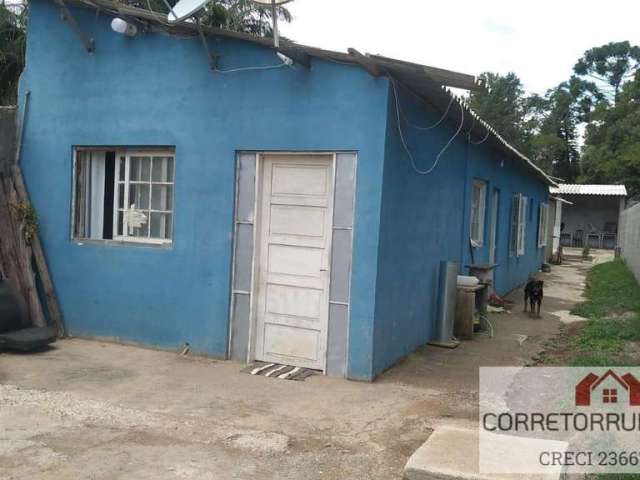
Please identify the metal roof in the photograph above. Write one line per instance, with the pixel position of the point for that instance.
(425, 81)
(574, 189)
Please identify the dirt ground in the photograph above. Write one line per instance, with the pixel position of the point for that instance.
(93, 410)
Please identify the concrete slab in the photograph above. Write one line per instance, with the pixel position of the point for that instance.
(452, 453)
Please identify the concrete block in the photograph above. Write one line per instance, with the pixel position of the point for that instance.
(452, 453)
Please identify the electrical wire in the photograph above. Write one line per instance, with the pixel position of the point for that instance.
(246, 69)
(431, 127)
(404, 142)
(473, 124)
(481, 141)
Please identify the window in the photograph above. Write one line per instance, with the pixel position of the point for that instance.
(609, 395)
(518, 225)
(543, 225)
(123, 195)
(478, 202)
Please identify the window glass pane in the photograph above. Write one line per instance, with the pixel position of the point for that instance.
(121, 195)
(139, 196)
(122, 168)
(140, 169)
(120, 223)
(515, 208)
(161, 197)
(161, 225)
(162, 169)
(141, 231)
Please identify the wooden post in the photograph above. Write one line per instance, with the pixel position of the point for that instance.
(8, 248)
(41, 262)
(23, 256)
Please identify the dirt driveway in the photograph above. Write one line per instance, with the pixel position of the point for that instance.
(93, 410)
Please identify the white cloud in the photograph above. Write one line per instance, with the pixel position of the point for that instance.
(540, 41)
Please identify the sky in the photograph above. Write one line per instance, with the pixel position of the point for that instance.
(540, 41)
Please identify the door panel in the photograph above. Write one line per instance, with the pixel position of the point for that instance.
(293, 259)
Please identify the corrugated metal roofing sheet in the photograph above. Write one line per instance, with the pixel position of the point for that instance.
(574, 189)
(428, 82)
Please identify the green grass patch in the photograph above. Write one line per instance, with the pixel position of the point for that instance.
(611, 288)
(611, 335)
(613, 310)
(619, 477)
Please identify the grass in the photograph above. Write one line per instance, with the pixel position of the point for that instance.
(611, 288)
(613, 310)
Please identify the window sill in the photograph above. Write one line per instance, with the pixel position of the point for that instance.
(122, 243)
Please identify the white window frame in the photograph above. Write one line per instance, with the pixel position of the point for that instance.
(522, 225)
(478, 211)
(119, 152)
(517, 242)
(543, 225)
(127, 186)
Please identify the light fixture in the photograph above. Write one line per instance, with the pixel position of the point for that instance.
(122, 26)
(286, 60)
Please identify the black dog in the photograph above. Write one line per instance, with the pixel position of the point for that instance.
(533, 293)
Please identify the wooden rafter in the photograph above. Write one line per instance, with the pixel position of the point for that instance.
(68, 17)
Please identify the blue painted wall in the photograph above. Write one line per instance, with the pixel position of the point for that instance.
(425, 219)
(157, 90)
(510, 179)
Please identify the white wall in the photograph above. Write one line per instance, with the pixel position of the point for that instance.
(629, 234)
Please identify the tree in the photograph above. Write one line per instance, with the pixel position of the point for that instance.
(555, 146)
(555, 143)
(611, 152)
(611, 65)
(541, 127)
(612, 141)
(12, 45)
(237, 15)
(504, 107)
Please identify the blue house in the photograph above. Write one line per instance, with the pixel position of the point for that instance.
(295, 214)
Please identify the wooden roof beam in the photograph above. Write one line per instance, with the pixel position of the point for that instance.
(365, 62)
(439, 75)
(87, 41)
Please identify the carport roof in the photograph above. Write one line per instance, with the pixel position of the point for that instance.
(575, 189)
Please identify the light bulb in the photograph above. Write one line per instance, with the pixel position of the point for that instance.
(121, 26)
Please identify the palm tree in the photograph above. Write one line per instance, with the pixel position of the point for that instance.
(238, 15)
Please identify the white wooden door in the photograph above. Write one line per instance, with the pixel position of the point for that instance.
(294, 239)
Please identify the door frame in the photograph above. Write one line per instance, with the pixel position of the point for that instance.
(255, 261)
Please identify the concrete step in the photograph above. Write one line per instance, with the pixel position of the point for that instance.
(452, 453)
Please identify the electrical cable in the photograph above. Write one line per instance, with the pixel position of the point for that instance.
(246, 69)
(431, 127)
(481, 141)
(404, 142)
(473, 124)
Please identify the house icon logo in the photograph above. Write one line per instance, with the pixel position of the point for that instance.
(607, 390)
